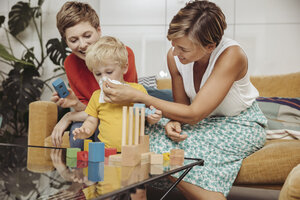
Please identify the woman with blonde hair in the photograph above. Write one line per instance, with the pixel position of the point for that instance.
(214, 115)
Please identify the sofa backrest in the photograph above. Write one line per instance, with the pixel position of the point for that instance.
(286, 85)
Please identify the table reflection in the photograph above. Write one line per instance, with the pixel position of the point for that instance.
(48, 174)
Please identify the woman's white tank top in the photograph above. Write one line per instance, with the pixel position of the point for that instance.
(240, 96)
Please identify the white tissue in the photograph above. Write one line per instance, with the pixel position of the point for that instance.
(101, 97)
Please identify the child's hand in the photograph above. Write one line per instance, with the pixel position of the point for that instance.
(81, 133)
(154, 118)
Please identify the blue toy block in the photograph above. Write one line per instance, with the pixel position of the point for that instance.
(95, 171)
(60, 88)
(139, 105)
(96, 151)
(148, 111)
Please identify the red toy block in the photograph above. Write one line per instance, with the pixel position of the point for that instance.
(110, 151)
(82, 164)
(83, 155)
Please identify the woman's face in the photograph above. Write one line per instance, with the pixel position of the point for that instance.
(187, 51)
(80, 36)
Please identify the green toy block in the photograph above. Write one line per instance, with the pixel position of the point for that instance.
(72, 152)
(71, 162)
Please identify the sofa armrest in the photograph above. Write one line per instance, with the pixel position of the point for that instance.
(291, 187)
(42, 119)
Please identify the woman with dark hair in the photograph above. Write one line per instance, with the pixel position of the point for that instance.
(214, 115)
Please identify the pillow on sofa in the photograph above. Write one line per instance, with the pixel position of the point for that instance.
(161, 94)
(148, 81)
(283, 115)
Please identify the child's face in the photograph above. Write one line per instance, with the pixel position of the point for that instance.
(80, 37)
(112, 71)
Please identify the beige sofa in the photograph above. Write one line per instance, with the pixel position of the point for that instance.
(266, 168)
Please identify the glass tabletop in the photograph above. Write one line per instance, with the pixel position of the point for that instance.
(31, 172)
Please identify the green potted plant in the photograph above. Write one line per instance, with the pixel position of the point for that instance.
(23, 84)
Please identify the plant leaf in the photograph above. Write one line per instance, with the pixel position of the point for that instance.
(2, 19)
(9, 57)
(57, 51)
(19, 17)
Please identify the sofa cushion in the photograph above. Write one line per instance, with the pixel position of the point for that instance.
(165, 94)
(271, 164)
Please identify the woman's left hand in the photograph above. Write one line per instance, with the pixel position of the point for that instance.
(173, 131)
(117, 93)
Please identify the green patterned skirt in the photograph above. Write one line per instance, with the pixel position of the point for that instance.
(222, 142)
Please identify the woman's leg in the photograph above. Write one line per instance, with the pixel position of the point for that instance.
(193, 192)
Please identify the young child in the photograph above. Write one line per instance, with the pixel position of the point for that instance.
(107, 59)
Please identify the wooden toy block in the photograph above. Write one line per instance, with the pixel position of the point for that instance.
(131, 155)
(110, 151)
(96, 151)
(156, 169)
(130, 175)
(72, 152)
(144, 143)
(115, 158)
(166, 156)
(137, 126)
(86, 171)
(124, 125)
(82, 164)
(176, 157)
(177, 152)
(142, 130)
(86, 144)
(139, 105)
(176, 160)
(145, 157)
(148, 111)
(83, 155)
(60, 88)
(156, 159)
(71, 162)
(95, 171)
(144, 172)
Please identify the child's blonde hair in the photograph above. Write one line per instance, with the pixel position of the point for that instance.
(105, 51)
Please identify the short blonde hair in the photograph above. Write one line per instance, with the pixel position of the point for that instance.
(106, 50)
(72, 13)
(202, 22)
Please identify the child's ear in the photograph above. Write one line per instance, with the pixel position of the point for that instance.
(125, 69)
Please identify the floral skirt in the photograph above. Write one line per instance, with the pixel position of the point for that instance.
(222, 142)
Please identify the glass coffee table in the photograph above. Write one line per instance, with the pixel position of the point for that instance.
(34, 172)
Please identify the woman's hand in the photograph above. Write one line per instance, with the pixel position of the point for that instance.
(59, 130)
(117, 93)
(173, 130)
(70, 101)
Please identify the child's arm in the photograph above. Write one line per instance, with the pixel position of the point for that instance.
(154, 118)
(63, 124)
(87, 129)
